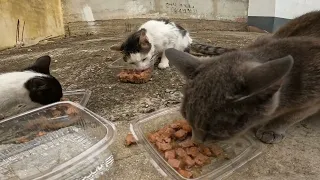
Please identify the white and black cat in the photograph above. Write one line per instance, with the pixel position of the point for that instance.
(32, 87)
(142, 47)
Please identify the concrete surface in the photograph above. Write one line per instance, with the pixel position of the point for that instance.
(82, 62)
(42, 19)
(90, 10)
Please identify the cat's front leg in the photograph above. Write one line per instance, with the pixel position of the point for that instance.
(274, 131)
(164, 63)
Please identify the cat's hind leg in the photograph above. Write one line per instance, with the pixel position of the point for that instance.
(164, 63)
(274, 131)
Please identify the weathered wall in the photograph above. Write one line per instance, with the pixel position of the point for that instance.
(42, 19)
(90, 10)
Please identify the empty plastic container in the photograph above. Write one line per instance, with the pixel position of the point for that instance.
(62, 141)
(240, 150)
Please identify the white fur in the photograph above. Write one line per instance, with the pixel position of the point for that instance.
(161, 37)
(14, 97)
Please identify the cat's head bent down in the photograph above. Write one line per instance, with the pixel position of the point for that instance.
(137, 50)
(227, 95)
(43, 88)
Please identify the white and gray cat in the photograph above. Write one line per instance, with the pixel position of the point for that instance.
(32, 87)
(142, 47)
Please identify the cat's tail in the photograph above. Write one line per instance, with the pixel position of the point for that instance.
(209, 49)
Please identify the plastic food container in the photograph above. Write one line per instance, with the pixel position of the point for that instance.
(80, 96)
(61, 141)
(240, 150)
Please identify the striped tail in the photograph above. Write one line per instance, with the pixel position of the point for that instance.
(209, 49)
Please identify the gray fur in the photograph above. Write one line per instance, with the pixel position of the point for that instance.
(275, 84)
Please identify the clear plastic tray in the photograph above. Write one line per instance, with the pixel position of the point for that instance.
(80, 96)
(45, 144)
(240, 150)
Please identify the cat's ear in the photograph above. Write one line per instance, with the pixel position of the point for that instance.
(267, 75)
(184, 62)
(42, 65)
(144, 41)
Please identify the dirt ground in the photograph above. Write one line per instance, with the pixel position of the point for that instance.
(82, 62)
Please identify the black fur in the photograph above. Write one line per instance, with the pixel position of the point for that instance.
(131, 44)
(166, 21)
(182, 31)
(43, 89)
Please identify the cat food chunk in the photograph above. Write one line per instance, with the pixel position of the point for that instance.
(216, 150)
(23, 139)
(181, 134)
(72, 111)
(174, 144)
(189, 161)
(175, 163)
(153, 137)
(163, 146)
(193, 151)
(186, 143)
(176, 125)
(135, 76)
(56, 113)
(167, 140)
(168, 132)
(185, 173)
(171, 154)
(41, 133)
(130, 140)
(201, 159)
(206, 151)
(187, 128)
(182, 121)
(181, 152)
(64, 99)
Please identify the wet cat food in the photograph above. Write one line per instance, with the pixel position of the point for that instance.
(135, 76)
(130, 140)
(174, 143)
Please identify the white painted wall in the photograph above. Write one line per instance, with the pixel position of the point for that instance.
(262, 8)
(290, 9)
(287, 9)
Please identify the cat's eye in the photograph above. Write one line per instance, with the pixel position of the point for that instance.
(132, 63)
(144, 59)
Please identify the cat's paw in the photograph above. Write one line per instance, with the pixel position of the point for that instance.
(269, 136)
(163, 65)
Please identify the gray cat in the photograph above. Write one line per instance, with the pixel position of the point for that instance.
(275, 84)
